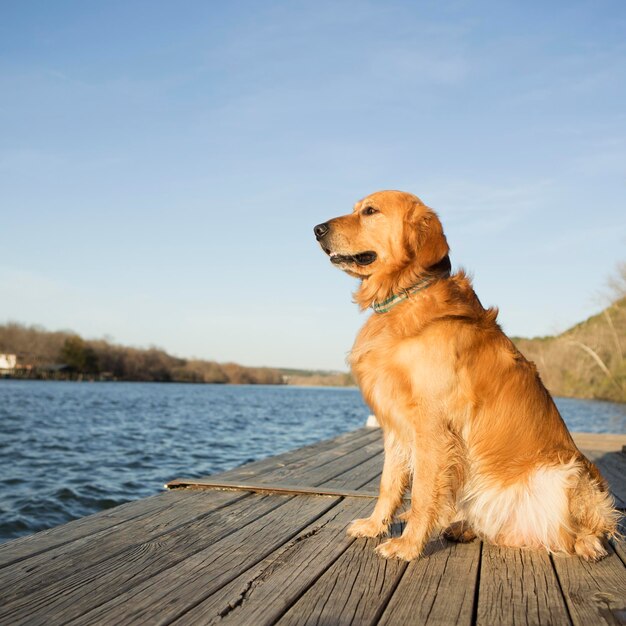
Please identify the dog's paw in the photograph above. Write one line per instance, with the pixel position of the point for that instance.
(590, 548)
(460, 532)
(366, 527)
(398, 548)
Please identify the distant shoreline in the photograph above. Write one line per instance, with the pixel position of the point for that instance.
(31, 352)
(299, 383)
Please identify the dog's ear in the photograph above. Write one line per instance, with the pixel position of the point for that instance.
(426, 242)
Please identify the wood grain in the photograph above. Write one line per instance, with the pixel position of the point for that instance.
(43, 570)
(352, 591)
(165, 594)
(519, 587)
(264, 593)
(595, 593)
(439, 588)
(88, 584)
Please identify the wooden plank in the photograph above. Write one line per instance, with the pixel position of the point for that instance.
(354, 590)
(438, 588)
(262, 594)
(320, 474)
(519, 587)
(357, 469)
(197, 575)
(42, 570)
(314, 473)
(95, 584)
(595, 593)
(356, 587)
(364, 477)
(612, 465)
(619, 543)
(294, 490)
(606, 442)
(323, 452)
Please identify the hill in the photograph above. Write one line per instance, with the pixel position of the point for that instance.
(587, 360)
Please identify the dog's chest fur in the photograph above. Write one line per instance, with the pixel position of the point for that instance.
(401, 366)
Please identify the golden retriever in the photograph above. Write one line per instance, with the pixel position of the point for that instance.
(465, 416)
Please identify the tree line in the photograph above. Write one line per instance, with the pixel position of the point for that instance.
(66, 355)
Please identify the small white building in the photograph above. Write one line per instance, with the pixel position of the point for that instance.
(8, 361)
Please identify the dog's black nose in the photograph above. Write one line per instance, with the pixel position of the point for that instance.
(320, 230)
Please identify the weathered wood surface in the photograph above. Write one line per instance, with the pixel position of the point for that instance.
(205, 556)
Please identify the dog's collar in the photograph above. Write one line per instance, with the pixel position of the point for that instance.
(386, 305)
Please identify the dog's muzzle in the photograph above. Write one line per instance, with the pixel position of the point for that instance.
(361, 258)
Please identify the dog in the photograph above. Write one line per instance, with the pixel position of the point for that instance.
(466, 420)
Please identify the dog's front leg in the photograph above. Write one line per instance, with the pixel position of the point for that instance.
(393, 482)
(427, 495)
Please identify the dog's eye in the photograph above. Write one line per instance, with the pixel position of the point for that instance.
(369, 210)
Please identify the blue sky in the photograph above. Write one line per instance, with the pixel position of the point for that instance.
(162, 164)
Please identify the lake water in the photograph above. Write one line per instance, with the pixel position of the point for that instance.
(71, 449)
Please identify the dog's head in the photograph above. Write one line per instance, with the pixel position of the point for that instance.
(390, 239)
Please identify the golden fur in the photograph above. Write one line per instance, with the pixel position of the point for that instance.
(467, 421)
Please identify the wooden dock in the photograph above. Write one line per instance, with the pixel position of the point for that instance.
(278, 553)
